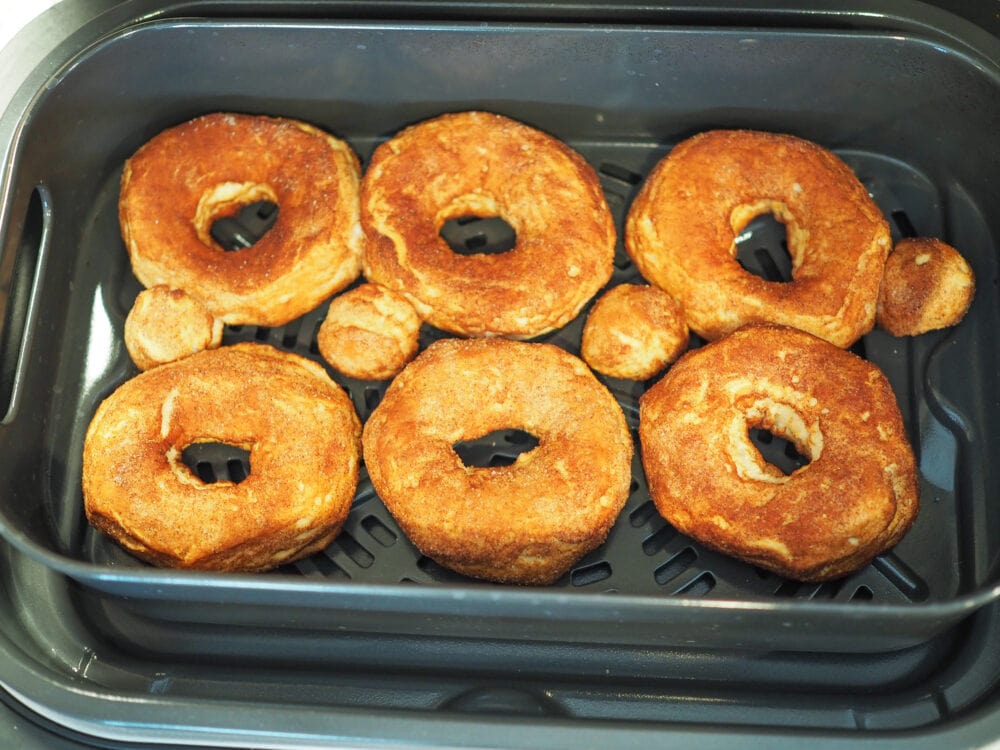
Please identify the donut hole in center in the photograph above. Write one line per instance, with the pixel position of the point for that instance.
(777, 450)
(758, 439)
(246, 227)
(212, 462)
(765, 239)
(497, 448)
(478, 235)
(235, 215)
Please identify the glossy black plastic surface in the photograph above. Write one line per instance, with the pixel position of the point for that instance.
(690, 648)
(905, 112)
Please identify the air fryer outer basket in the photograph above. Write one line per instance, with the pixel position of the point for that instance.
(913, 109)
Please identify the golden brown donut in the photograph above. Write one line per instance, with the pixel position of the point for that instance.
(524, 523)
(369, 332)
(299, 427)
(486, 165)
(926, 285)
(633, 331)
(176, 185)
(681, 231)
(165, 324)
(855, 498)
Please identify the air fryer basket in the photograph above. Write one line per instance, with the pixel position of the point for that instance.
(914, 117)
(84, 661)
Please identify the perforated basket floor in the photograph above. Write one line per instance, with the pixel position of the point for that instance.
(643, 554)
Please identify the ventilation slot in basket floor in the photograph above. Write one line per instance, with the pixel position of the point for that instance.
(762, 249)
(217, 462)
(675, 566)
(245, 228)
(474, 235)
(379, 531)
(591, 574)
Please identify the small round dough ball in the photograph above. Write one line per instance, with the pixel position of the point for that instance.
(633, 332)
(369, 333)
(166, 324)
(926, 285)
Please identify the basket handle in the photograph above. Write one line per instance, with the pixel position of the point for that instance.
(21, 277)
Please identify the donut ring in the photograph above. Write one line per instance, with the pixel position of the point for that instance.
(681, 231)
(304, 441)
(855, 498)
(524, 523)
(926, 285)
(176, 185)
(475, 163)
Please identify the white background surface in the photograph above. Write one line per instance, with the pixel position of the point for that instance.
(14, 15)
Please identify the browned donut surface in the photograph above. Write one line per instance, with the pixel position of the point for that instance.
(524, 523)
(369, 332)
(633, 331)
(682, 227)
(176, 185)
(165, 324)
(855, 498)
(299, 427)
(486, 165)
(926, 285)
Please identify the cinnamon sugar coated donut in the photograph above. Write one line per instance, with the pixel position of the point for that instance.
(486, 165)
(165, 324)
(633, 332)
(681, 231)
(176, 185)
(855, 498)
(299, 427)
(926, 285)
(369, 332)
(524, 523)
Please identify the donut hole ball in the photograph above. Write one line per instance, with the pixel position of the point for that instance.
(633, 332)
(167, 324)
(369, 333)
(926, 285)
(526, 518)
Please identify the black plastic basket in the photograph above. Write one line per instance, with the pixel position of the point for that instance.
(912, 108)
